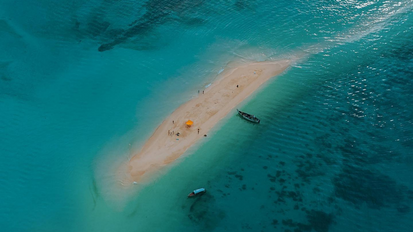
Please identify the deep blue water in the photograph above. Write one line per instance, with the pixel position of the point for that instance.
(84, 83)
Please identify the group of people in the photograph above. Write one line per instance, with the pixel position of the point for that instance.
(203, 91)
(173, 122)
(177, 134)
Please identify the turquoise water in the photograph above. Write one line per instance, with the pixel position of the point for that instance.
(84, 83)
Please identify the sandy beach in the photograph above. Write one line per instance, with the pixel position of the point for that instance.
(211, 105)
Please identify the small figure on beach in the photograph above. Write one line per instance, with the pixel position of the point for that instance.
(237, 86)
(202, 91)
(205, 135)
(177, 134)
(198, 130)
(169, 133)
(173, 122)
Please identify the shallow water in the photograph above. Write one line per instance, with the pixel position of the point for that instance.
(333, 151)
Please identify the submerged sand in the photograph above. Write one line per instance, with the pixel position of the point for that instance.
(206, 110)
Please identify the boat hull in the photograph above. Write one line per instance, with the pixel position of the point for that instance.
(197, 192)
(248, 117)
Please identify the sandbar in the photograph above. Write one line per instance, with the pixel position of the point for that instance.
(212, 104)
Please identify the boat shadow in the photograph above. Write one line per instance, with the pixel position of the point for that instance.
(204, 212)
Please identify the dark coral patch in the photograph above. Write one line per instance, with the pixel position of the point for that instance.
(359, 186)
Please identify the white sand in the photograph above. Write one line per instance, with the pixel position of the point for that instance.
(205, 111)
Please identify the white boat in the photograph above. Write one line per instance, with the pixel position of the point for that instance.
(197, 192)
(248, 117)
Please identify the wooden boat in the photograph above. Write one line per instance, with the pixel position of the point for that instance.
(199, 191)
(248, 117)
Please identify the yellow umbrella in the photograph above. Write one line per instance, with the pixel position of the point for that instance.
(189, 123)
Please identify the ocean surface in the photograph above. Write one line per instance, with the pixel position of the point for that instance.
(83, 84)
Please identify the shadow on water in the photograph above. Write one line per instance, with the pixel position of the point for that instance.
(157, 12)
(203, 211)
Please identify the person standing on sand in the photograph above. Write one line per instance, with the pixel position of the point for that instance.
(202, 91)
(173, 122)
(237, 86)
(198, 130)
